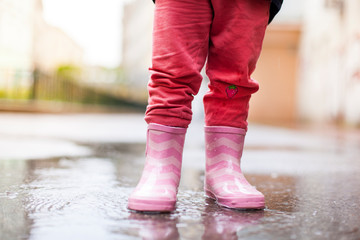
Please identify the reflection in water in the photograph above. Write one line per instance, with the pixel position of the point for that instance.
(218, 222)
(223, 223)
(155, 226)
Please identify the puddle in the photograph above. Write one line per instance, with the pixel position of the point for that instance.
(86, 197)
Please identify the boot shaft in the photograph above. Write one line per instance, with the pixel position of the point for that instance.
(224, 146)
(164, 142)
(224, 180)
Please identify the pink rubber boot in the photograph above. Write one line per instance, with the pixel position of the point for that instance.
(157, 189)
(224, 181)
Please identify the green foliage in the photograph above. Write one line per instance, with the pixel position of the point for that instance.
(69, 72)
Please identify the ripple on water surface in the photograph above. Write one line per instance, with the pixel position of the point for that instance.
(85, 198)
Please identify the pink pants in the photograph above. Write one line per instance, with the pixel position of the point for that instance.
(229, 34)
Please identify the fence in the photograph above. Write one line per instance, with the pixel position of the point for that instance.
(68, 86)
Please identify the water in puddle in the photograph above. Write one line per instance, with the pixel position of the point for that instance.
(85, 198)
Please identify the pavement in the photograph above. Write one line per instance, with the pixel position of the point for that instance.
(68, 176)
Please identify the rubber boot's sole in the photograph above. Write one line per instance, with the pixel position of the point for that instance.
(144, 205)
(238, 203)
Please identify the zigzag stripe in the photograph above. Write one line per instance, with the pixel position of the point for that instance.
(221, 179)
(216, 174)
(232, 137)
(164, 137)
(245, 189)
(221, 157)
(167, 182)
(223, 164)
(164, 169)
(167, 176)
(164, 154)
(165, 145)
(224, 150)
(172, 176)
(224, 142)
(151, 175)
(170, 160)
(171, 182)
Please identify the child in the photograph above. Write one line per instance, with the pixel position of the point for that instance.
(228, 34)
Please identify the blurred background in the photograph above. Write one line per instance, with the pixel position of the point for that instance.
(93, 55)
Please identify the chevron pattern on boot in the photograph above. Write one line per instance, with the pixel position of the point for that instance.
(224, 180)
(157, 188)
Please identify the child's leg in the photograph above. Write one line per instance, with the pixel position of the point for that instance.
(235, 43)
(180, 46)
(181, 33)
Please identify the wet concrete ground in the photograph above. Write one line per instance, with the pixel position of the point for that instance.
(68, 177)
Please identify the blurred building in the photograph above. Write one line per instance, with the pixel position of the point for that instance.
(16, 33)
(52, 47)
(309, 69)
(329, 84)
(277, 68)
(28, 42)
(16, 40)
(137, 41)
